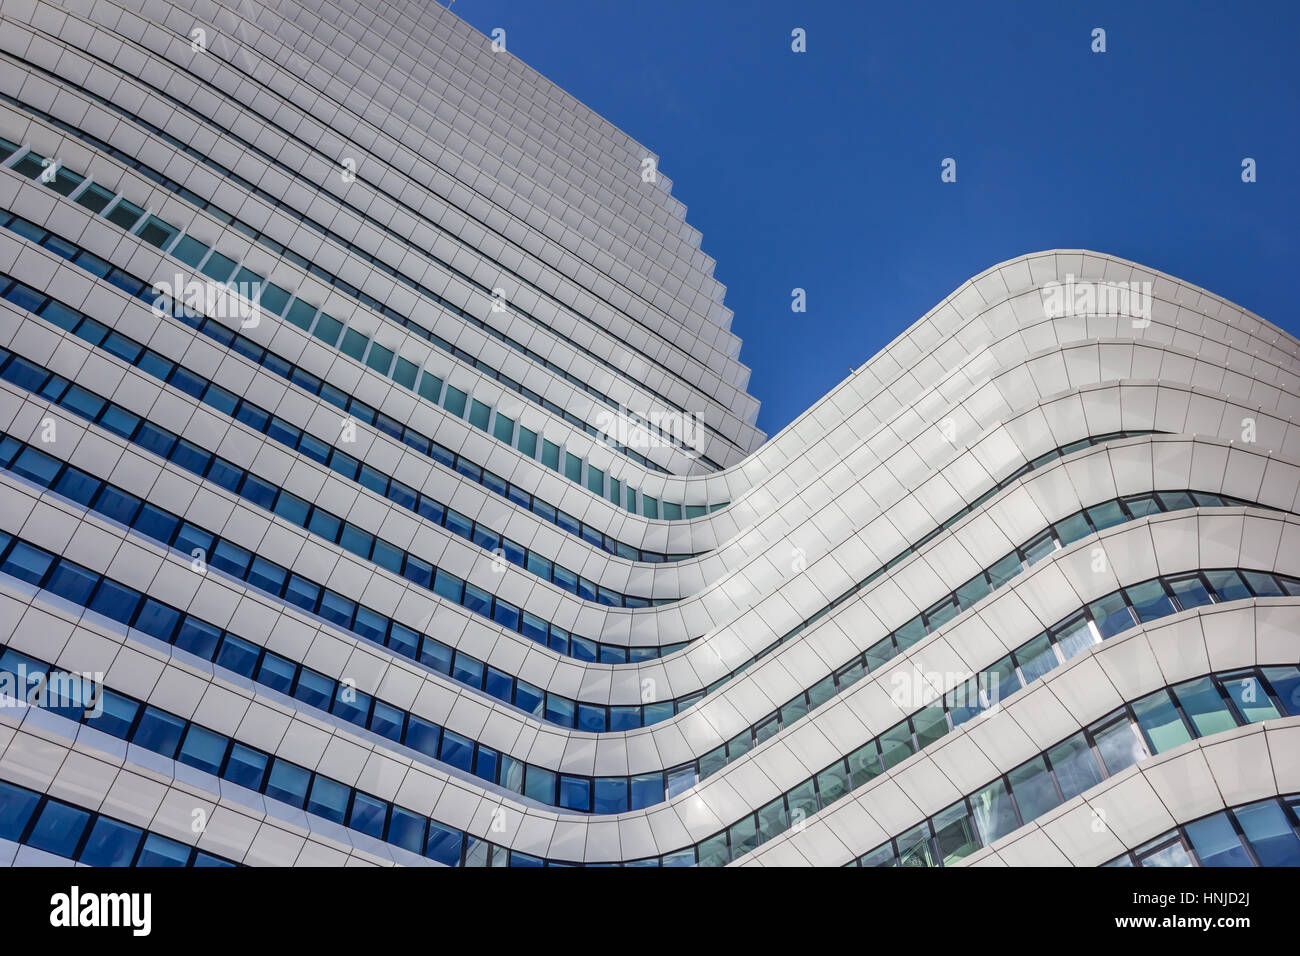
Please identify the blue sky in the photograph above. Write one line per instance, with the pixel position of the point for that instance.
(821, 170)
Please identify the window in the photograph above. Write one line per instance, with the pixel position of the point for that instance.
(1270, 834)
(1034, 789)
(1111, 615)
(111, 843)
(16, 807)
(1118, 745)
(954, 834)
(1204, 706)
(160, 851)
(1075, 766)
(1216, 842)
(993, 811)
(58, 829)
(1160, 722)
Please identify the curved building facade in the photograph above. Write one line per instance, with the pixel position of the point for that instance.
(381, 485)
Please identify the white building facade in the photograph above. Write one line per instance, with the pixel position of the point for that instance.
(381, 486)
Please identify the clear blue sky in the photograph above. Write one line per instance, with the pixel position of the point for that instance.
(821, 170)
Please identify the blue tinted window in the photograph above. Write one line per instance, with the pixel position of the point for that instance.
(238, 655)
(157, 620)
(1270, 833)
(159, 732)
(111, 843)
(406, 830)
(72, 582)
(16, 806)
(368, 815)
(288, 782)
(575, 793)
(444, 844)
(611, 795)
(457, 751)
(314, 689)
(329, 799)
(118, 714)
(59, 828)
(246, 766)
(198, 637)
(203, 749)
(115, 601)
(422, 736)
(27, 563)
(160, 851)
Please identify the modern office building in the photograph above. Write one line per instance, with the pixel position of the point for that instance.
(379, 484)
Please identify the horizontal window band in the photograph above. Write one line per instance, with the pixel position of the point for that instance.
(600, 795)
(86, 836)
(1262, 833)
(259, 419)
(316, 386)
(1153, 724)
(1103, 618)
(79, 586)
(1160, 723)
(286, 505)
(96, 334)
(352, 291)
(35, 465)
(293, 590)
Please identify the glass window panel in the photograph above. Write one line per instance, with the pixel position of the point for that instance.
(972, 591)
(1204, 706)
(16, 807)
(954, 833)
(1171, 855)
(1248, 693)
(58, 829)
(1034, 790)
(1072, 529)
(1074, 636)
(1159, 720)
(1036, 658)
(1190, 592)
(1228, 585)
(111, 843)
(1264, 585)
(1119, 745)
(1111, 615)
(1004, 570)
(995, 815)
(1286, 684)
(1039, 548)
(1075, 766)
(930, 724)
(1106, 515)
(772, 820)
(914, 847)
(864, 764)
(203, 749)
(881, 856)
(896, 744)
(1150, 601)
(1269, 833)
(743, 836)
(1217, 843)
